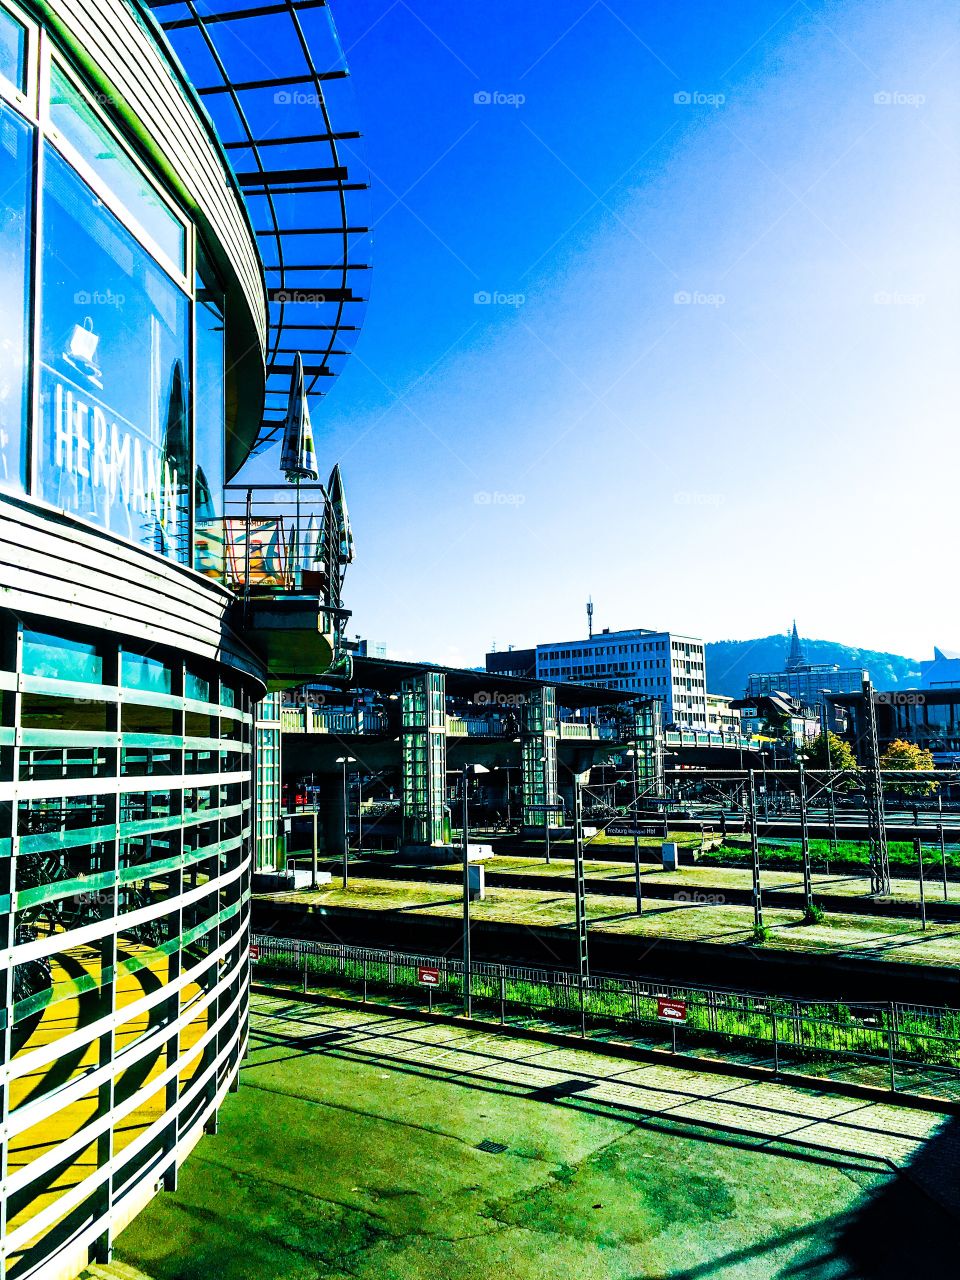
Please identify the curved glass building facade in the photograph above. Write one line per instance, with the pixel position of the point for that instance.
(138, 340)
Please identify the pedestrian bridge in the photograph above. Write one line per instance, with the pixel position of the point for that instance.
(373, 723)
(422, 722)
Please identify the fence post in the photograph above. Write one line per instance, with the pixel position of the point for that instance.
(776, 1039)
(429, 998)
(364, 979)
(891, 1032)
(304, 973)
(923, 898)
(503, 998)
(583, 1010)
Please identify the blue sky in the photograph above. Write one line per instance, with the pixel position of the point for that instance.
(715, 385)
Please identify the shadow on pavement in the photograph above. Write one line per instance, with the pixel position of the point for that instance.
(908, 1227)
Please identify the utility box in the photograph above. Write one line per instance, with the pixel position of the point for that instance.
(670, 852)
(477, 881)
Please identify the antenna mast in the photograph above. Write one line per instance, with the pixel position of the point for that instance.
(590, 618)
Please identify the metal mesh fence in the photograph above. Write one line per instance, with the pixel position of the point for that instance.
(899, 1046)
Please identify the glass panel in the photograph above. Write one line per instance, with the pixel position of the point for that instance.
(209, 403)
(197, 687)
(13, 43)
(114, 439)
(138, 672)
(82, 127)
(60, 659)
(16, 167)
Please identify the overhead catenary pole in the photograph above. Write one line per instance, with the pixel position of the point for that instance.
(831, 805)
(344, 761)
(879, 856)
(467, 1001)
(579, 881)
(755, 852)
(638, 888)
(943, 847)
(805, 841)
(918, 848)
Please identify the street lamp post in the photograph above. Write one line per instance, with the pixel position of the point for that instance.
(344, 761)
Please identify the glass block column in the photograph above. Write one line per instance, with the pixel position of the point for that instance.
(648, 735)
(424, 744)
(538, 754)
(268, 773)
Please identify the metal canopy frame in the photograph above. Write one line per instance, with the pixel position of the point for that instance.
(266, 73)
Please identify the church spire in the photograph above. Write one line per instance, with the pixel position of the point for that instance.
(795, 658)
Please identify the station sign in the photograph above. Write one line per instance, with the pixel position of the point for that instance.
(428, 977)
(650, 829)
(671, 1010)
(254, 952)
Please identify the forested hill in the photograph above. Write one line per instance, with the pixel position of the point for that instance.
(729, 662)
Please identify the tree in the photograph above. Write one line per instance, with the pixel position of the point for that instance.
(815, 756)
(908, 757)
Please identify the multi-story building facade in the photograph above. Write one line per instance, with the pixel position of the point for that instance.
(806, 682)
(930, 718)
(145, 607)
(722, 715)
(941, 672)
(651, 664)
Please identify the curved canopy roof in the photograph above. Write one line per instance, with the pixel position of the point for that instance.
(274, 80)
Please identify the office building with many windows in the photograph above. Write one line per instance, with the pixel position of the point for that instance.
(651, 664)
(146, 605)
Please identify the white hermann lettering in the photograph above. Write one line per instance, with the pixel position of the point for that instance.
(81, 438)
(102, 474)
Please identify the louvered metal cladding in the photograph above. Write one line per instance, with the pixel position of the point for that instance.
(270, 76)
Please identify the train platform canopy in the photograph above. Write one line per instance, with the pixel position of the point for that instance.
(384, 675)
